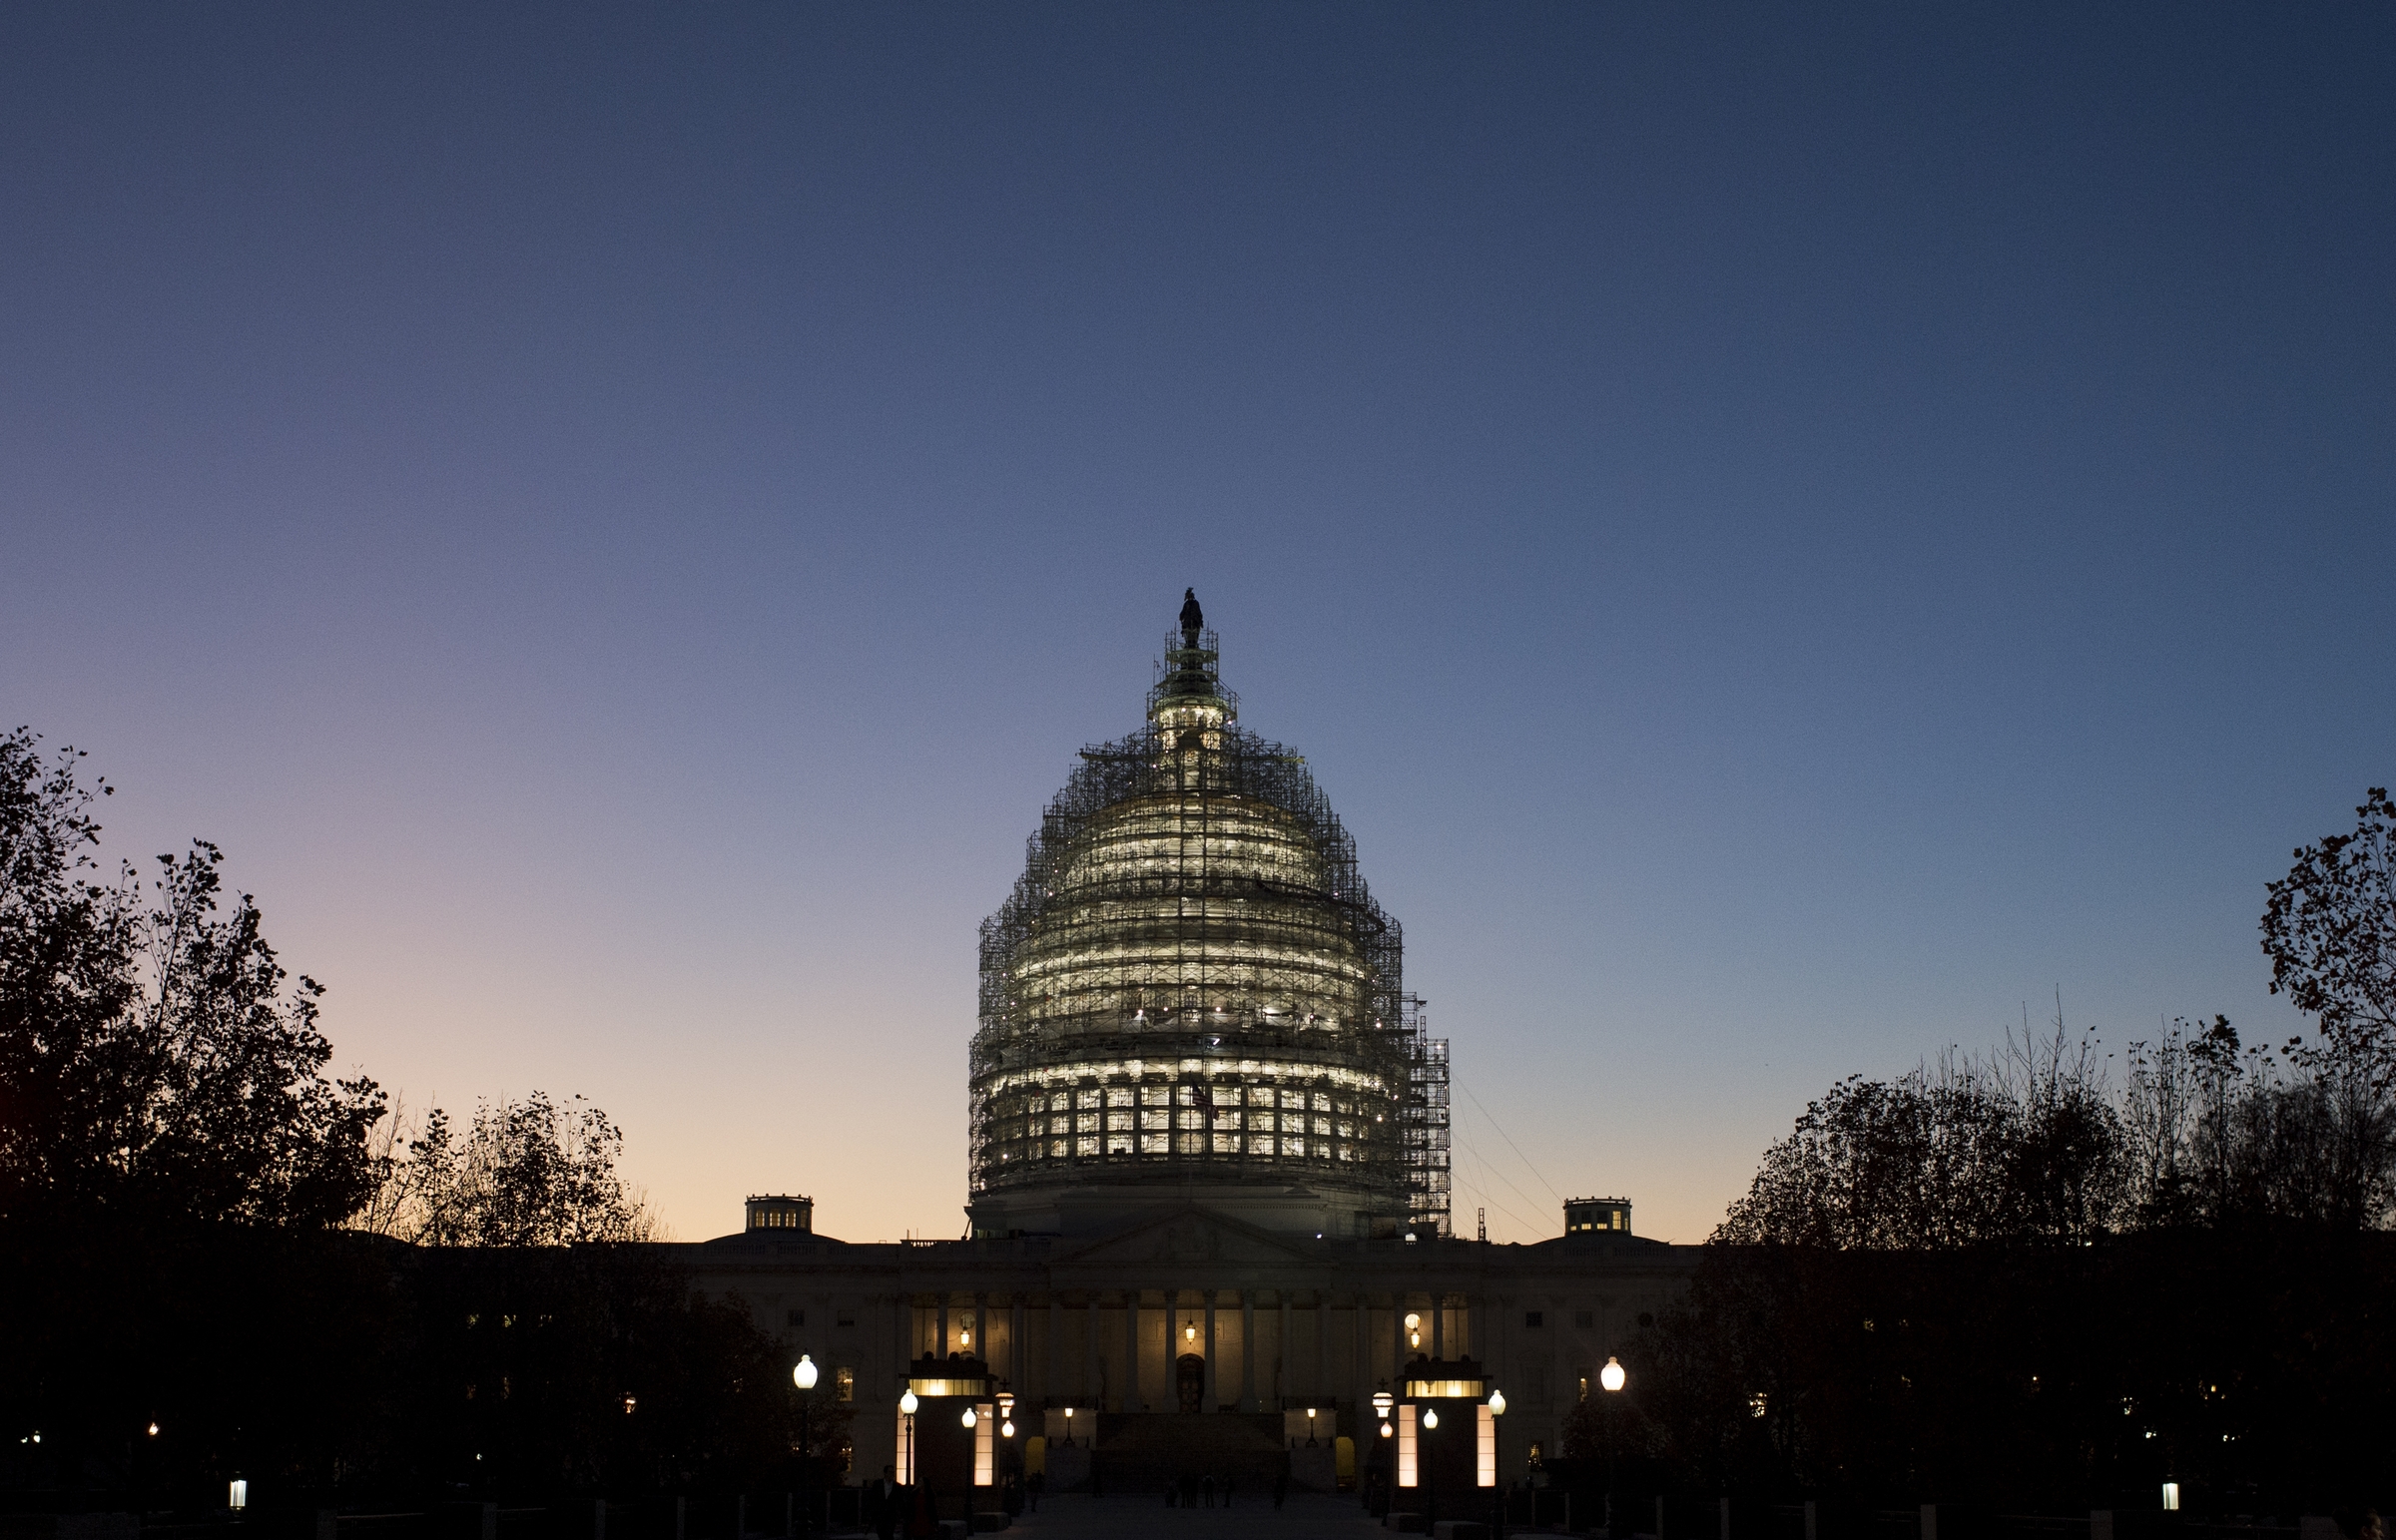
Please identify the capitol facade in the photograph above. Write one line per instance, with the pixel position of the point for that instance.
(1208, 1204)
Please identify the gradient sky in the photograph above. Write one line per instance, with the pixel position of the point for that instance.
(1790, 535)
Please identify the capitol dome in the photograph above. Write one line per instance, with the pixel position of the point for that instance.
(1191, 998)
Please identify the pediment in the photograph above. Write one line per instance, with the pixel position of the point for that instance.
(1188, 1236)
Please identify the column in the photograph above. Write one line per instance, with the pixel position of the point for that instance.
(1014, 1344)
(1131, 1350)
(1207, 1401)
(1089, 1356)
(982, 1328)
(1321, 1385)
(1170, 1401)
(1247, 1349)
(1358, 1330)
(1398, 1333)
(940, 1351)
(1057, 1330)
(1438, 1326)
(1288, 1360)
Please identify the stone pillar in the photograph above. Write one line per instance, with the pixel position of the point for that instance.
(1208, 1399)
(1057, 1330)
(1131, 1350)
(1247, 1349)
(940, 1348)
(1359, 1335)
(1089, 1356)
(1015, 1344)
(1281, 1350)
(1438, 1326)
(1321, 1385)
(1397, 1335)
(982, 1328)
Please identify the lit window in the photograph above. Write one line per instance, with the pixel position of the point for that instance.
(1322, 1127)
(1060, 1102)
(1190, 1116)
(1260, 1096)
(1156, 1096)
(1294, 1099)
(1118, 1096)
(1155, 1118)
(1189, 1144)
(1118, 1143)
(1227, 1144)
(1086, 1143)
(1118, 1121)
(1293, 1147)
(1085, 1099)
(1057, 1149)
(1258, 1144)
(844, 1384)
(1321, 1102)
(1155, 1144)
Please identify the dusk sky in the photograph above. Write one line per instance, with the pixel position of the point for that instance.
(1791, 536)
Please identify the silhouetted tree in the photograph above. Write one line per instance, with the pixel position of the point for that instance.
(153, 1054)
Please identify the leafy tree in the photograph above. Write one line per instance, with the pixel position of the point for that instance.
(2330, 930)
(528, 1173)
(155, 1056)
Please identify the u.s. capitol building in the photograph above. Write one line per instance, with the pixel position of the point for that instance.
(1209, 1191)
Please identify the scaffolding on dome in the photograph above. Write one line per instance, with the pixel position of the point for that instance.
(1192, 981)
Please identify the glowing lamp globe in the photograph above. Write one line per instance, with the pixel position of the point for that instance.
(908, 1403)
(1431, 1416)
(1611, 1377)
(802, 1373)
(1496, 1404)
(968, 1419)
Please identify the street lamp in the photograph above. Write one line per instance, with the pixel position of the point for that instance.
(968, 1419)
(1069, 1427)
(1612, 1377)
(803, 1374)
(907, 1407)
(1427, 1465)
(1496, 1457)
(1414, 1328)
(1381, 1408)
(1309, 1427)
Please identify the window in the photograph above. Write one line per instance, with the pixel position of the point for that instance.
(1585, 1319)
(1086, 1143)
(844, 1318)
(843, 1382)
(1085, 1099)
(1118, 1096)
(1189, 1144)
(1259, 1145)
(1156, 1096)
(1227, 1144)
(1118, 1121)
(1155, 1144)
(1155, 1118)
(794, 1317)
(1533, 1319)
(1085, 1123)
(1260, 1096)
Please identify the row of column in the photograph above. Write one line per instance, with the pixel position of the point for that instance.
(1428, 1337)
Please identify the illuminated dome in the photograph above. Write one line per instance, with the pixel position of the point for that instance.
(1191, 997)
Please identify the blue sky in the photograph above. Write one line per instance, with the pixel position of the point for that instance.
(1789, 537)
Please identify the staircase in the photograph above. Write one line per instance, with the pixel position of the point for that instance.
(1143, 1451)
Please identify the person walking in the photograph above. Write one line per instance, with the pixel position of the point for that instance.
(1208, 1487)
(881, 1499)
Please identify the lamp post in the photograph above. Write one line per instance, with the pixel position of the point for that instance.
(1309, 1427)
(1498, 1456)
(1613, 1379)
(907, 1405)
(1382, 1402)
(803, 1374)
(1427, 1468)
(1069, 1427)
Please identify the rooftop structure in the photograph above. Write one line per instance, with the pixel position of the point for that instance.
(1191, 997)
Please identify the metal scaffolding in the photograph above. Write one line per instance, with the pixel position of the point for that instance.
(1192, 982)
